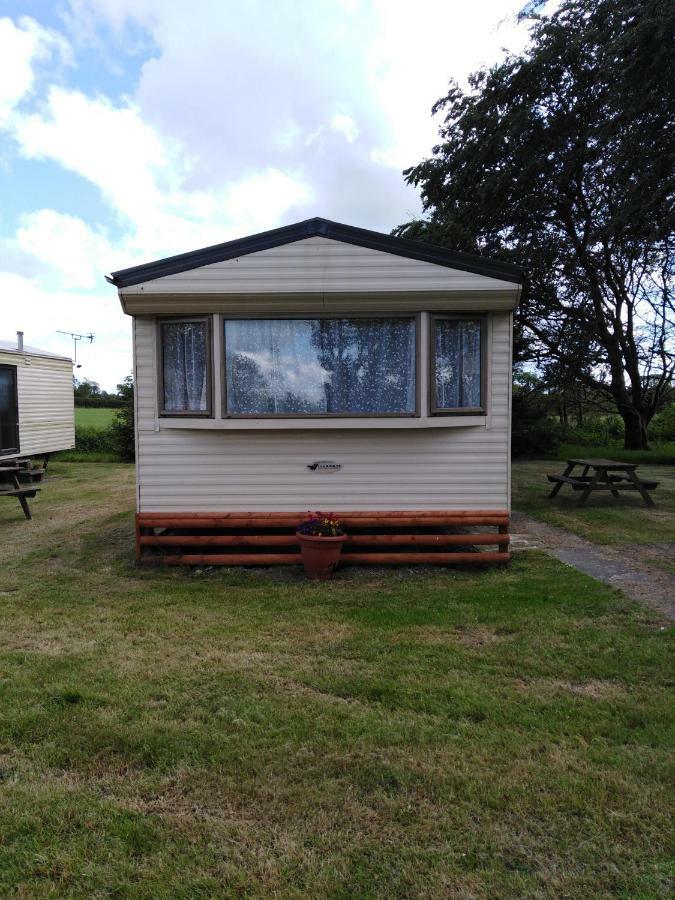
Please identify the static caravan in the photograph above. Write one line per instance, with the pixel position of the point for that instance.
(322, 367)
(36, 401)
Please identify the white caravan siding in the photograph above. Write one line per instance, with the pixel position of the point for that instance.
(210, 470)
(45, 394)
(320, 265)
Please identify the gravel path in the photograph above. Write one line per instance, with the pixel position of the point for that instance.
(646, 584)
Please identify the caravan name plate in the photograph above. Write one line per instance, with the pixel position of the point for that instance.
(325, 465)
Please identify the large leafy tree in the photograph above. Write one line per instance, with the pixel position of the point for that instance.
(562, 159)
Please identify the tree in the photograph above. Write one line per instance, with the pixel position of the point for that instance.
(89, 393)
(85, 389)
(561, 159)
(123, 423)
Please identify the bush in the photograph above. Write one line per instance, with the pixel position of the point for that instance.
(123, 426)
(662, 427)
(108, 401)
(540, 438)
(533, 431)
(609, 430)
(597, 432)
(94, 440)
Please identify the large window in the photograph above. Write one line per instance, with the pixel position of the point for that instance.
(320, 367)
(344, 367)
(185, 348)
(457, 365)
(9, 413)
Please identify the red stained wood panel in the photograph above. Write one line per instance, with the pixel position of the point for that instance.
(384, 548)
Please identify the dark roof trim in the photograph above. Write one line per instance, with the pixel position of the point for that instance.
(348, 234)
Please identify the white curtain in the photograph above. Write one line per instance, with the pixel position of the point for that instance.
(320, 366)
(458, 363)
(185, 366)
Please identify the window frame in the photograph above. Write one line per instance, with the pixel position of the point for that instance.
(434, 409)
(5, 450)
(188, 413)
(416, 318)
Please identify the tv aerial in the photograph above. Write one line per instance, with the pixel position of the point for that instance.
(78, 337)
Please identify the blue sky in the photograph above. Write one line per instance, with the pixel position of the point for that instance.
(134, 129)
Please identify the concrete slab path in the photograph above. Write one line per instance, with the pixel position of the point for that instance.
(646, 584)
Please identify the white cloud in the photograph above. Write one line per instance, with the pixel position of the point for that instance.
(21, 46)
(264, 198)
(239, 121)
(260, 89)
(215, 144)
(78, 252)
(40, 313)
(412, 58)
(111, 146)
(142, 175)
(346, 126)
(285, 85)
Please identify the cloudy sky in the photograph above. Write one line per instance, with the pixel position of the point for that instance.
(134, 129)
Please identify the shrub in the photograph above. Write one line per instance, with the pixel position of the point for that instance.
(94, 440)
(123, 426)
(540, 438)
(662, 428)
(106, 402)
(533, 431)
(597, 432)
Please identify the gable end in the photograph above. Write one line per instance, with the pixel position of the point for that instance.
(360, 237)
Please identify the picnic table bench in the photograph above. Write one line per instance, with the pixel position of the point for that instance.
(10, 486)
(28, 473)
(606, 475)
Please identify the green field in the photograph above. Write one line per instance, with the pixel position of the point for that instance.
(398, 734)
(94, 416)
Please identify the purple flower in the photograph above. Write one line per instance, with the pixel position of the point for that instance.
(321, 525)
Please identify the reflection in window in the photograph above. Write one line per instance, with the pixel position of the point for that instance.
(457, 348)
(9, 413)
(184, 366)
(320, 366)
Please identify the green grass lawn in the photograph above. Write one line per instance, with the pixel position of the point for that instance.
(99, 417)
(648, 534)
(500, 733)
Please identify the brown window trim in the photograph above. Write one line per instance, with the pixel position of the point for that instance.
(434, 409)
(416, 318)
(187, 413)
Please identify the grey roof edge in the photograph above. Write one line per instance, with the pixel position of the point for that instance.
(317, 227)
(10, 347)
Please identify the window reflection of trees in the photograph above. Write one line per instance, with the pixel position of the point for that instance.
(320, 366)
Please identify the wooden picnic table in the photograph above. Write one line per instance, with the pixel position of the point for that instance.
(606, 475)
(10, 486)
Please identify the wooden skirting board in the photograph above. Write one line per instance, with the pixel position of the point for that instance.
(403, 537)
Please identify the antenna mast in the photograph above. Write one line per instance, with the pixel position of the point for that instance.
(78, 337)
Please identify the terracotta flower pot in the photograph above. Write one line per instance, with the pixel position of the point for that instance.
(320, 555)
